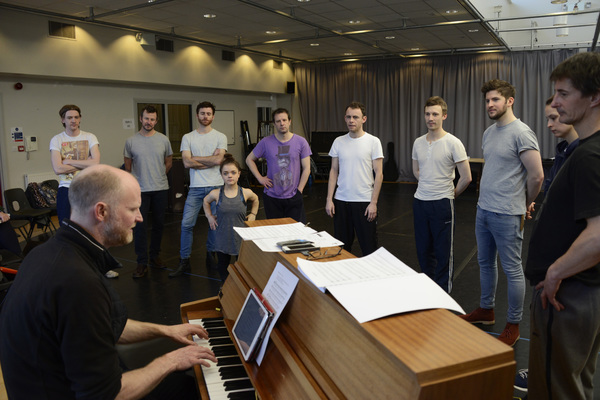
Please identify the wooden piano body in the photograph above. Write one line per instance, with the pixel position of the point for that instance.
(318, 350)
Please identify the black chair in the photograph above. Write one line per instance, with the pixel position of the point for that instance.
(20, 209)
(20, 224)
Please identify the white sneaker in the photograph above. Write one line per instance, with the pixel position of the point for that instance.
(112, 274)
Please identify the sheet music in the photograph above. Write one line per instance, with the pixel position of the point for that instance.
(320, 239)
(370, 300)
(274, 231)
(377, 285)
(377, 265)
(277, 292)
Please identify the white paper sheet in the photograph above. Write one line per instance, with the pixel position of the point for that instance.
(274, 231)
(320, 239)
(377, 265)
(379, 298)
(277, 292)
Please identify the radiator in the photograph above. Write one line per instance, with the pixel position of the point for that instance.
(39, 177)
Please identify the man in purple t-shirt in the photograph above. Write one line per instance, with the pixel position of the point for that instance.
(288, 168)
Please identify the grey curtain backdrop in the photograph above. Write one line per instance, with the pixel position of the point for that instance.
(394, 92)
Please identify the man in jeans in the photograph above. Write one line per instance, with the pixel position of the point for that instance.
(511, 180)
(202, 151)
(148, 156)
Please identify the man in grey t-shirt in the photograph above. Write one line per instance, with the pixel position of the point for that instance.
(511, 180)
(148, 156)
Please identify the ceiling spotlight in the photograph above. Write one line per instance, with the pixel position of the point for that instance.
(209, 16)
(314, 44)
(558, 1)
(354, 22)
(451, 11)
(139, 36)
(270, 32)
(576, 8)
(390, 37)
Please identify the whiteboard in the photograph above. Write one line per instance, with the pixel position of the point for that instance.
(224, 122)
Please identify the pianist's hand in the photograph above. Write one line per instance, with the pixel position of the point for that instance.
(187, 357)
(181, 333)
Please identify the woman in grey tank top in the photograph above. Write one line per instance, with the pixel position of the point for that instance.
(231, 211)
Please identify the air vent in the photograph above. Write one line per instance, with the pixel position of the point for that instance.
(165, 45)
(227, 55)
(59, 29)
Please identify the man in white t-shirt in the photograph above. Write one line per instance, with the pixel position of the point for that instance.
(71, 151)
(202, 151)
(435, 156)
(354, 158)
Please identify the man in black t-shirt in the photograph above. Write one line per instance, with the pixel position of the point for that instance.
(62, 318)
(564, 251)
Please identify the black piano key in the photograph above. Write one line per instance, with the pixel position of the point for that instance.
(219, 341)
(224, 361)
(221, 351)
(233, 372)
(212, 319)
(217, 332)
(238, 384)
(245, 395)
(213, 324)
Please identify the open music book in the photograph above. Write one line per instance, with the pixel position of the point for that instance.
(376, 286)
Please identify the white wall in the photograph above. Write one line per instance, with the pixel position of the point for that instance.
(106, 72)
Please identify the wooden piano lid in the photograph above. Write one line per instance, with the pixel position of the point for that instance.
(324, 352)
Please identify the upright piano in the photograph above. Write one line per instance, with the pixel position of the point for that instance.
(317, 350)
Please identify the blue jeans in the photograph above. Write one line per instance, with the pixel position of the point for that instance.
(500, 234)
(193, 205)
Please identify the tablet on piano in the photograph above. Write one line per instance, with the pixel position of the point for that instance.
(252, 323)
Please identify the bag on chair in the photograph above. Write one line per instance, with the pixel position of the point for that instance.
(35, 197)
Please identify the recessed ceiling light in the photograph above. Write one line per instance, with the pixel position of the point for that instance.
(347, 54)
(390, 37)
(270, 32)
(416, 48)
(488, 44)
(314, 44)
(451, 11)
(354, 22)
(210, 16)
(303, 1)
(473, 30)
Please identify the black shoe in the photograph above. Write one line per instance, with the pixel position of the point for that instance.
(184, 266)
(156, 262)
(140, 271)
(211, 260)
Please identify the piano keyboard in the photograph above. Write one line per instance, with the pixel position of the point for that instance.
(227, 379)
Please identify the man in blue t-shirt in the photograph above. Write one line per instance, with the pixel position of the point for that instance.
(288, 168)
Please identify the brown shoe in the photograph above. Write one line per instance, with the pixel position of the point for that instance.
(140, 271)
(510, 335)
(157, 263)
(483, 316)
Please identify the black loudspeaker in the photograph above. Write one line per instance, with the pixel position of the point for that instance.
(291, 87)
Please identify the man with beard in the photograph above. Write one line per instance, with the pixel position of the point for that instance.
(511, 180)
(202, 151)
(148, 156)
(62, 318)
(288, 168)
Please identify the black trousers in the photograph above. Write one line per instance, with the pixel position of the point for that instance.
(350, 218)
